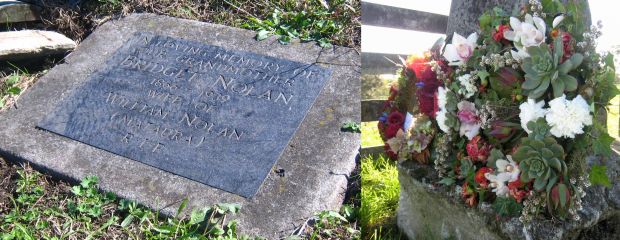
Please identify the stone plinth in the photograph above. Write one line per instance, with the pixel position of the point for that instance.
(430, 211)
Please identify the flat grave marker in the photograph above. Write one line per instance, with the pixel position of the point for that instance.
(217, 116)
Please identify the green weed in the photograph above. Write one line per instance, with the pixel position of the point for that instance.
(9, 87)
(307, 26)
(40, 212)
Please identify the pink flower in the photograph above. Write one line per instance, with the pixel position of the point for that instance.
(470, 121)
(468, 117)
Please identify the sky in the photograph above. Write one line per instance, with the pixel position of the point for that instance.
(396, 41)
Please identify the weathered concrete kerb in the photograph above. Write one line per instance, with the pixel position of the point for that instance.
(315, 161)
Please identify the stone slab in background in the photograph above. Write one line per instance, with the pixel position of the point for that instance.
(29, 44)
(316, 161)
(428, 210)
(12, 11)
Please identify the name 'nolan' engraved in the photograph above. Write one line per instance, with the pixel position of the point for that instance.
(214, 115)
(244, 89)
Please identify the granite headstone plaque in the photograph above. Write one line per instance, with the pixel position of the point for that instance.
(218, 116)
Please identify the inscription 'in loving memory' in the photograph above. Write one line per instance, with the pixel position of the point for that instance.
(214, 115)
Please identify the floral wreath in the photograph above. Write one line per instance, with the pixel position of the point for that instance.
(509, 115)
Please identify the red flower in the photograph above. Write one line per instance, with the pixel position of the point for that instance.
(390, 153)
(480, 178)
(567, 45)
(427, 84)
(566, 42)
(516, 190)
(469, 195)
(498, 36)
(393, 92)
(478, 149)
(391, 131)
(396, 118)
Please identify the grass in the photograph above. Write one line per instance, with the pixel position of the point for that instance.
(328, 22)
(44, 209)
(380, 193)
(33, 206)
(370, 134)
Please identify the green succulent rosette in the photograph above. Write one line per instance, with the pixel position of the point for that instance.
(543, 68)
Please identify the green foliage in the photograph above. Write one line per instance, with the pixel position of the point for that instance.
(540, 129)
(598, 175)
(492, 18)
(541, 161)
(606, 89)
(86, 213)
(89, 202)
(495, 155)
(507, 207)
(112, 3)
(543, 68)
(326, 225)
(448, 181)
(306, 26)
(602, 143)
(351, 127)
(9, 86)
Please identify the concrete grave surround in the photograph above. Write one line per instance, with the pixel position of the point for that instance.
(12, 11)
(316, 162)
(17, 45)
(435, 212)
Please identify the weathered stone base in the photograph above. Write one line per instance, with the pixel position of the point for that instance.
(427, 211)
(316, 162)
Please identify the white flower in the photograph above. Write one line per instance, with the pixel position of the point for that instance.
(557, 20)
(568, 117)
(441, 120)
(498, 183)
(510, 167)
(526, 34)
(531, 110)
(468, 87)
(520, 54)
(460, 49)
(440, 116)
(441, 97)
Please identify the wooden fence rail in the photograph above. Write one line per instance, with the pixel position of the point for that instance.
(401, 18)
